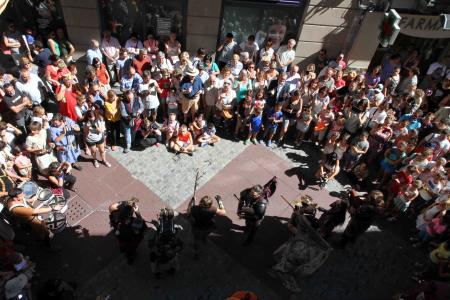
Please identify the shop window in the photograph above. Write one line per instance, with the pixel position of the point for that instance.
(39, 16)
(279, 20)
(158, 17)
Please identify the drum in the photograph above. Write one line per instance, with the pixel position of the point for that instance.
(45, 195)
(29, 188)
(58, 200)
(56, 222)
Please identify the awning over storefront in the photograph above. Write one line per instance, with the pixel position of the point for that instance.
(428, 27)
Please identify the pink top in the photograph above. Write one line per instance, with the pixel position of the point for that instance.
(437, 226)
(22, 161)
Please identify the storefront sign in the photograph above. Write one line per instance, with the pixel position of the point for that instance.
(428, 27)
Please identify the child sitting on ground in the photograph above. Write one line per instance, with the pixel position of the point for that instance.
(208, 136)
(170, 127)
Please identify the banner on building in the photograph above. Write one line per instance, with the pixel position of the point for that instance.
(427, 27)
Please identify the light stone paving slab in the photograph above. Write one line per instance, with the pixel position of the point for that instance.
(172, 177)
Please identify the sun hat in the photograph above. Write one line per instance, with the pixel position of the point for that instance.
(192, 71)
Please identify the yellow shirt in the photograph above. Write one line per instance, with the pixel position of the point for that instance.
(444, 254)
(112, 112)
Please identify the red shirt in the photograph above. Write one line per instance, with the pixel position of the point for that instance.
(67, 108)
(184, 137)
(164, 84)
(142, 65)
(101, 74)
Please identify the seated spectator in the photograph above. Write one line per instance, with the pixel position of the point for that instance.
(61, 179)
(142, 62)
(208, 135)
(183, 142)
(329, 168)
(196, 127)
(63, 134)
(170, 128)
(36, 145)
(150, 132)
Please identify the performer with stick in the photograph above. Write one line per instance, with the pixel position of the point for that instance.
(252, 206)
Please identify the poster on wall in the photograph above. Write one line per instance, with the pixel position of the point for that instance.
(279, 24)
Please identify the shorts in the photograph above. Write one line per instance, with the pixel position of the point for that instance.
(271, 130)
(182, 144)
(288, 122)
(91, 144)
(256, 129)
(189, 104)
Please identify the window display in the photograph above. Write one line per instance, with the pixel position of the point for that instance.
(279, 22)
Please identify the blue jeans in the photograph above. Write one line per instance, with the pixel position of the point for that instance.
(128, 133)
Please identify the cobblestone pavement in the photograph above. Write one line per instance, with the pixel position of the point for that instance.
(172, 177)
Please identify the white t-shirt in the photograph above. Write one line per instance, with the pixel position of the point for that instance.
(250, 48)
(267, 52)
(31, 88)
(151, 101)
(285, 55)
(378, 117)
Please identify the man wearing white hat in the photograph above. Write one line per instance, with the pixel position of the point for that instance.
(191, 87)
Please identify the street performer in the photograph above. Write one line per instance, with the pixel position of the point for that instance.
(202, 216)
(128, 226)
(252, 206)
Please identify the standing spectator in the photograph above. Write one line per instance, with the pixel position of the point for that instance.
(321, 60)
(31, 85)
(133, 44)
(251, 47)
(212, 87)
(172, 47)
(102, 74)
(142, 62)
(130, 80)
(358, 148)
(63, 132)
(191, 87)
(151, 45)
(148, 91)
(210, 65)
(131, 109)
(93, 51)
(112, 119)
(110, 48)
(235, 65)
(285, 56)
(226, 50)
(66, 48)
(387, 67)
(11, 40)
(67, 97)
(123, 63)
(19, 106)
(267, 51)
(94, 134)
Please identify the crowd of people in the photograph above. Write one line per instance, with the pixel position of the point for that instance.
(387, 128)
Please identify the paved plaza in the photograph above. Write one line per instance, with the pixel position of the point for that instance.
(375, 267)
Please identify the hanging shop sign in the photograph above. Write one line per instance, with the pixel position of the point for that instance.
(427, 27)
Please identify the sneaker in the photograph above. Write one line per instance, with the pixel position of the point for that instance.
(269, 143)
(96, 165)
(245, 142)
(107, 164)
(281, 143)
(253, 141)
(261, 142)
(77, 167)
(126, 150)
(190, 153)
(212, 144)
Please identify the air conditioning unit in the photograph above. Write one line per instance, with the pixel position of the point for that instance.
(445, 21)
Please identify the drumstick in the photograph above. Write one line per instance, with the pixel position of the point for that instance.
(289, 203)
